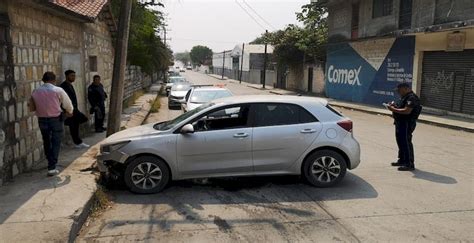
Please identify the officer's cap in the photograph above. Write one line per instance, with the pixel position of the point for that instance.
(403, 85)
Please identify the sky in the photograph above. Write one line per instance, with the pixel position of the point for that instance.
(222, 24)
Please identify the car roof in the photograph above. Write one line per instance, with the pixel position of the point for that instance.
(272, 99)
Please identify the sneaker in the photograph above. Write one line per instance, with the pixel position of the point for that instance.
(82, 145)
(406, 168)
(53, 172)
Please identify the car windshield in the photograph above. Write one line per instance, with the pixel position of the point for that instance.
(181, 87)
(204, 96)
(163, 126)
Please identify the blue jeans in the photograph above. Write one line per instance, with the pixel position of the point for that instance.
(51, 131)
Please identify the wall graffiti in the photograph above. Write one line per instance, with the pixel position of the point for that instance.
(440, 82)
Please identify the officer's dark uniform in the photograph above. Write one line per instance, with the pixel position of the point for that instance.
(97, 96)
(404, 127)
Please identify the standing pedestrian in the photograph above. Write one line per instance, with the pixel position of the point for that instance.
(46, 101)
(405, 114)
(78, 117)
(97, 96)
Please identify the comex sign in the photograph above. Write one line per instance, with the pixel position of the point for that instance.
(344, 76)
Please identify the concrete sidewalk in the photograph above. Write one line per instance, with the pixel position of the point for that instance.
(447, 121)
(36, 208)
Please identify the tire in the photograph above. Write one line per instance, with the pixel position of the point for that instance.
(156, 175)
(326, 164)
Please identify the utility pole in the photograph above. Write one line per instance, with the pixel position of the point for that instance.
(265, 61)
(118, 75)
(223, 64)
(242, 63)
(165, 74)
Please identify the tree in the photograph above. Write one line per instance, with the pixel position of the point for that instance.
(314, 41)
(145, 47)
(183, 57)
(295, 45)
(201, 55)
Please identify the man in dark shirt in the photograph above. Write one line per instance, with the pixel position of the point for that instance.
(77, 117)
(97, 96)
(405, 114)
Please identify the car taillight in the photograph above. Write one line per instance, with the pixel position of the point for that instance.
(346, 124)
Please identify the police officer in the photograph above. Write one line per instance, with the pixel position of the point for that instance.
(97, 96)
(405, 114)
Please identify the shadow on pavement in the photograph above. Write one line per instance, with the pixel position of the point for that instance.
(195, 202)
(35, 185)
(243, 190)
(433, 177)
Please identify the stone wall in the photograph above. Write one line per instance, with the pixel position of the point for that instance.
(135, 80)
(42, 41)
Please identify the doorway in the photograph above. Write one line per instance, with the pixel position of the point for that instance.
(310, 79)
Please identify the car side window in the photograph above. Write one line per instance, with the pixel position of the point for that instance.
(275, 114)
(224, 118)
(305, 116)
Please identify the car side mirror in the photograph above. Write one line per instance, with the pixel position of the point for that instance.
(188, 128)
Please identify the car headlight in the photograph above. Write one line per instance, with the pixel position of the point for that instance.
(107, 148)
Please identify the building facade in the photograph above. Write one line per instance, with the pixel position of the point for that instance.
(375, 44)
(249, 63)
(38, 36)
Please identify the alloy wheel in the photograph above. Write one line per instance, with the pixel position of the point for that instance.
(326, 169)
(146, 175)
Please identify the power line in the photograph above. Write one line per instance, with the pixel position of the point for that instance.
(258, 15)
(250, 15)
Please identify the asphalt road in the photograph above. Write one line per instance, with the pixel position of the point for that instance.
(374, 202)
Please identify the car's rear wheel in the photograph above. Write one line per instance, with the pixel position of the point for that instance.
(324, 168)
(146, 174)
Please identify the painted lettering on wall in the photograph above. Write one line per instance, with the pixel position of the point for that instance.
(344, 76)
(396, 72)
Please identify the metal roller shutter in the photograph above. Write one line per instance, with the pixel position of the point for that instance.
(448, 81)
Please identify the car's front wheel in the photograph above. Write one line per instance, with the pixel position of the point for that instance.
(324, 168)
(146, 174)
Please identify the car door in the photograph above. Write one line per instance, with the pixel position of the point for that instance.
(220, 145)
(282, 132)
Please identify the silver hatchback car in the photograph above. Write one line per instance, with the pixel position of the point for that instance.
(235, 136)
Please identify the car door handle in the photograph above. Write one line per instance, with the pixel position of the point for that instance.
(241, 135)
(308, 130)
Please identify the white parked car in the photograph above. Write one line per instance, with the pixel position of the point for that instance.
(202, 94)
(235, 136)
(171, 81)
(177, 93)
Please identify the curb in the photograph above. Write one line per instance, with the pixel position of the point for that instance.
(82, 216)
(374, 112)
(420, 120)
(216, 77)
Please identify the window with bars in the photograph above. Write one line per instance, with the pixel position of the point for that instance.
(382, 8)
